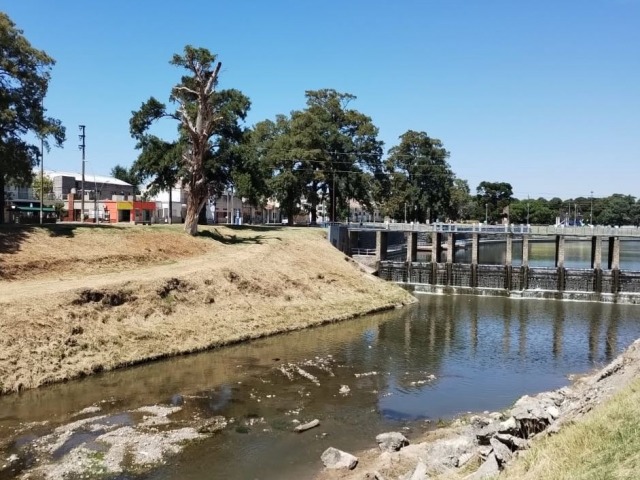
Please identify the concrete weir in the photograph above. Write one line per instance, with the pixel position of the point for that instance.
(610, 284)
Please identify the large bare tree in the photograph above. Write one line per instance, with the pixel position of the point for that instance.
(208, 127)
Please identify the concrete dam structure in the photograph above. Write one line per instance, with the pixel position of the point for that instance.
(603, 281)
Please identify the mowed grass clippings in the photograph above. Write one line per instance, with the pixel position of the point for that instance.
(605, 445)
(249, 283)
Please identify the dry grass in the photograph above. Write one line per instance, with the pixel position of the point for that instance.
(249, 283)
(27, 252)
(606, 445)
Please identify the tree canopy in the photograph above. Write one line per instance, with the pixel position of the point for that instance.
(24, 79)
(208, 128)
(420, 178)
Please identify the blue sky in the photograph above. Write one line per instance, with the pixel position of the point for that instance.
(543, 94)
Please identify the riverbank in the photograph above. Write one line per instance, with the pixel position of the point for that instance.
(586, 430)
(78, 299)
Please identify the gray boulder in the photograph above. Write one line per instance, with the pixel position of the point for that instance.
(502, 452)
(391, 441)
(489, 469)
(334, 459)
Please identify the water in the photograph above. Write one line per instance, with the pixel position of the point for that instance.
(542, 254)
(439, 358)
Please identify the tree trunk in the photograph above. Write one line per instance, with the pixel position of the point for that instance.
(198, 194)
(170, 205)
(2, 201)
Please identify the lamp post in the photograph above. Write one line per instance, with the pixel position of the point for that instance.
(591, 214)
(527, 210)
(486, 214)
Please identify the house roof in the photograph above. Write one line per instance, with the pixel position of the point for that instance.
(88, 178)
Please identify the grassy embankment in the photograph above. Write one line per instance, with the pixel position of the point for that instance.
(605, 445)
(75, 300)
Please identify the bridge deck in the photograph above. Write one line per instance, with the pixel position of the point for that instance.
(589, 231)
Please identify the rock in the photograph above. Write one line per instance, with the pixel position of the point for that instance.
(489, 469)
(485, 433)
(420, 473)
(478, 422)
(211, 425)
(510, 425)
(485, 451)
(464, 458)
(344, 390)
(501, 451)
(177, 400)
(307, 426)
(334, 458)
(496, 416)
(391, 441)
(513, 442)
(553, 411)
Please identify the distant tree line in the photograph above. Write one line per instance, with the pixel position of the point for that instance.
(325, 153)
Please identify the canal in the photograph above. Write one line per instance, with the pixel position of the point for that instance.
(405, 370)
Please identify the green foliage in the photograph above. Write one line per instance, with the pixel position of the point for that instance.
(324, 153)
(209, 132)
(24, 80)
(128, 175)
(46, 185)
(420, 179)
(495, 197)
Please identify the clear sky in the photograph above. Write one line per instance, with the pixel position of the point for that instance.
(543, 94)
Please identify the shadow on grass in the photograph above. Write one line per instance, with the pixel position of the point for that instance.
(214, 234)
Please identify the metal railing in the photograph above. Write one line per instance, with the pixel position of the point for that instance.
(584, 231)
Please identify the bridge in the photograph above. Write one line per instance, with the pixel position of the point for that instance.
(603, 281)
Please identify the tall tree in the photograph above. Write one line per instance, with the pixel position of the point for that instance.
(421, 179)
(340, 151)
(326, 153)
(494, 197)
(24, 79)
(208, 127)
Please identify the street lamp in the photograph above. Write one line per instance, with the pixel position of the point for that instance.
(486, 214)
(591, 214)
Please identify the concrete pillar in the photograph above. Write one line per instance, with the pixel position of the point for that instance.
(614, 263)
(508, 273)
(474, 249)
(412, 246)
(381, 245)
(560, 251)
(614, 253)
(451, 247)
(353, 241)
(436, 247)
(596, 252)
(508, 258)
(525, 250)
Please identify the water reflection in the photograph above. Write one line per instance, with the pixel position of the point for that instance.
(438, 358)
(542, 253)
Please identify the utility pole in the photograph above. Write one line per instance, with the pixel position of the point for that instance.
(486, 214)
(41, 180)
(82, 147)
(527, 210)
(591, 214)
(405, 212)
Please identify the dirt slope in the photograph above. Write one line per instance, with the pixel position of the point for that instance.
(73, 303)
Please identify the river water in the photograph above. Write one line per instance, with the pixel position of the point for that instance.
(542, 253)
(406, 369)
